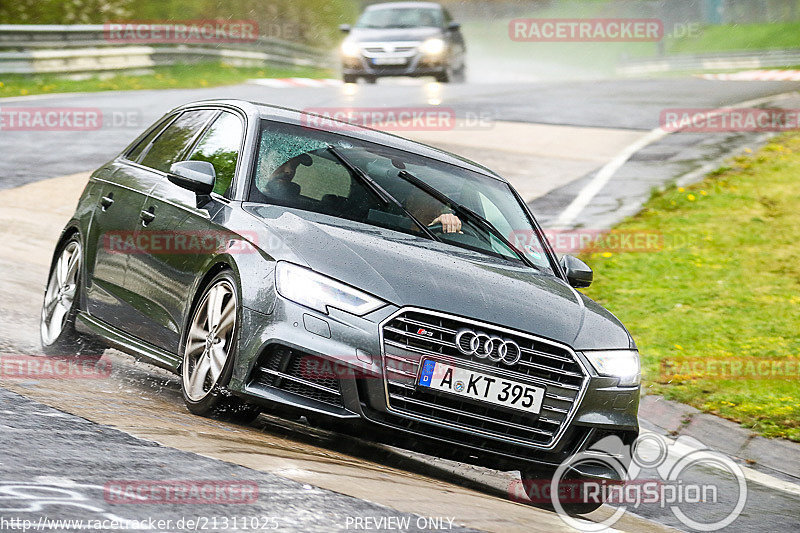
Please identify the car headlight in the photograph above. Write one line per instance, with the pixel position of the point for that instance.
(306, 287)
(432, 46)
(350, 49)
(622, 364)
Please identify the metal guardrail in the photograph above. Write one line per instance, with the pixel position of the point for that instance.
(29, 49)
(717, 61)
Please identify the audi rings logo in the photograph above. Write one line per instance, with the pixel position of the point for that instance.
(489, 347)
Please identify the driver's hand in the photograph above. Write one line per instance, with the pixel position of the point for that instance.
(450, 223)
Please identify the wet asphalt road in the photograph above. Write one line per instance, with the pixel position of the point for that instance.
(626, 104)
(59, 467)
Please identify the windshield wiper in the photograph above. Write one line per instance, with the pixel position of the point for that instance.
(467, 213)
(383, 195)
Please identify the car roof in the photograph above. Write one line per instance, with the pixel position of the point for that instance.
(389, 5)
(300, 118)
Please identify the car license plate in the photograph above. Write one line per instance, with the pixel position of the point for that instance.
(479, 386)
(389, 61)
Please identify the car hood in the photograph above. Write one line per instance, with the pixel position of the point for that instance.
(360, 35)
(411, 271)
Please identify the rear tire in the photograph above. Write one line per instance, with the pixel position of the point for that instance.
(61, 303)
(349, 78)
(209, 353)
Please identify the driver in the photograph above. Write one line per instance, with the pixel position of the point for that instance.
(428, 211)
(287, 170)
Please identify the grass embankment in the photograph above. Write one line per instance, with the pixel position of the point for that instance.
(735, 37)
(724, 289)
(172, 77)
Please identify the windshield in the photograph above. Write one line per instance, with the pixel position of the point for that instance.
(401, 17)
(297, 168)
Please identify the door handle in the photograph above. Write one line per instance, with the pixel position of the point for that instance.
(107, 201)
(148, 216)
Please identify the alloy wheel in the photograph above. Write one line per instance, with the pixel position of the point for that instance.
(209, 341)
(60, 294)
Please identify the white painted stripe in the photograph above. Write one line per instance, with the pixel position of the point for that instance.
(605, 174)
(591, 190)
(679, 450)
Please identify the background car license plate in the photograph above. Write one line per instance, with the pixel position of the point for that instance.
(389, 61)
(479, 386)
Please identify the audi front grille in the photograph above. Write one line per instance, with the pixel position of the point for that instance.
(412, 334)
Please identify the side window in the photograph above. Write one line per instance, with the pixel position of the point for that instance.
(134, 154)
(220, 146)
(172, 143)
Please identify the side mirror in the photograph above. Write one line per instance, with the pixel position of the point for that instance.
(454, 26)
(197, 176)
(344, 28)
(579, 275)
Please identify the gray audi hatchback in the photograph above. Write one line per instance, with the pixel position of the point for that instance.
(368, 283)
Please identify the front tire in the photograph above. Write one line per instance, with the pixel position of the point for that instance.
(209, 353)
(60, 307)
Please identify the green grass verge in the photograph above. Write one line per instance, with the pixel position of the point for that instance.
(725, 286)
(773, 36)
(172, 77)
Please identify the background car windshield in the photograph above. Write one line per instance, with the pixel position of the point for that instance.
(401, 18)
(296, 169)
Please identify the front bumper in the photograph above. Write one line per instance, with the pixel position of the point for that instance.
(296, 360)
(413, 65)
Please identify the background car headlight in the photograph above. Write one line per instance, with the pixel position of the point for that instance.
(306, 287)
(350, 49)
(432, 47)
(622, 364)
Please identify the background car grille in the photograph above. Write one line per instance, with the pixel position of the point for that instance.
(287, 369)
(383, 50)
(410, 336)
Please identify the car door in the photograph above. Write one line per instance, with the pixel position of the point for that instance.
(190, 227)
(166, 147)
(122, 192)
